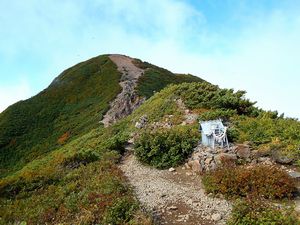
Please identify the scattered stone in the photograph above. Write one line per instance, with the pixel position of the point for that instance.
(172, 169)
(189, 173)
(195, 165)
(294, 174)
(173, 207)
(142, 122)
(216, 217)
(243, 151)
(150, 184)
(282, 158)
(208, 160)
(187, 166)
(225, 157)
(210, 195)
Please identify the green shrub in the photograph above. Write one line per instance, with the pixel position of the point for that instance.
(262, 181)
(256, 212)
(217, 114)
(166, 147)
(205, 95)
(82, 157)
(121, 212)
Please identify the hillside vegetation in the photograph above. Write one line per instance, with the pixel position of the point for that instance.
(71, 106)
(59, 164)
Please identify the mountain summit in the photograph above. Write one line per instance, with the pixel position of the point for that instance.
(115, 140)
(105, 88)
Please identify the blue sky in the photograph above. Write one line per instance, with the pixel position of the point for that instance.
(242, 44)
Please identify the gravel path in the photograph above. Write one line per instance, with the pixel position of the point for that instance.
(175, 197)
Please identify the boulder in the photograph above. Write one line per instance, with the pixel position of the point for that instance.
(225, 158)
(281, 158)
(294, 174)
(243, 151)
(195, 165)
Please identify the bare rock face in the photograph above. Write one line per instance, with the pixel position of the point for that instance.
(128, 100)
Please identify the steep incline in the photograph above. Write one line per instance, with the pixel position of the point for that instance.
(71, 106)
(128, 99)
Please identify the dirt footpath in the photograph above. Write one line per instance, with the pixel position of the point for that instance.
(174, 197)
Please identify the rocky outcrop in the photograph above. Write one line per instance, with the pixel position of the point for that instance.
(128, 100)
(206, 159)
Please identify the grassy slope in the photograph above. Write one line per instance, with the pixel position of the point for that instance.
(156, 78)
(54, 163)
(72, 105)
(79, 182)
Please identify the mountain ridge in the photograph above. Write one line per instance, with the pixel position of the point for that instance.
(59, 165)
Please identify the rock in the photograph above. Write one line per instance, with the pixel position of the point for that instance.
(294, 174)
(173, 207)
(190, 118)
(216, 217)
(131, 141)
(142, 122)
(263, 159)
(195, 165)
(187, 166)
(243, 151)
(253, 162)
(208, 161)
(225, 157)
(190, 201)
(281, 158)
(172, 169)
(219, 195)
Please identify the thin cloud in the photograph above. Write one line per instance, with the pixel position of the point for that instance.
(259, 55)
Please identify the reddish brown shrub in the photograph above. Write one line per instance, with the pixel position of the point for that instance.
(63, 139)
(263, 181)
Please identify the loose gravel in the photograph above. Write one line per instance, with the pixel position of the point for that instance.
(166, 192)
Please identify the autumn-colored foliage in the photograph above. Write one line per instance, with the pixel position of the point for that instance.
(263, 181)
(64, 138)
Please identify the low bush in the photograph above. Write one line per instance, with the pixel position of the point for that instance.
(121, 212)
(263, 181)
(82, 157)
(257, 212)
(166, 147)
(217, 114)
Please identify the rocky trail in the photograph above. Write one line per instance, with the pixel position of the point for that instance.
(127, 100)
(173, 196)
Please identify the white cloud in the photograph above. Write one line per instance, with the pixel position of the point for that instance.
(262, 58)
